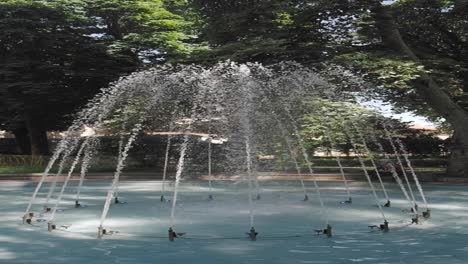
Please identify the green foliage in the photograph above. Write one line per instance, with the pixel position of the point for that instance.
(323, 128)
(322, 125)
(346, 32)
(21, 169)
(283, 19)
(23, 160)
(56, 54)
(265, 31)
(48, 66)
(437, 33)
(145, 27)
(123, 119)
(393, 72)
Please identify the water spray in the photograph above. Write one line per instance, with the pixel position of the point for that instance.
(67, 179)
(414, 207)
(89, 151)
(136, 129)
(65, 157)
(119, 157)
(363, 165)
(166, 161)
(291, 154)
(210, 177)
(366, 149)
(309, 165)
(338, 161)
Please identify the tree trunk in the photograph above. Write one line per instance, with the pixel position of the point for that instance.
(37, 135)
(431, 92)
(22, 140)
(457, 163)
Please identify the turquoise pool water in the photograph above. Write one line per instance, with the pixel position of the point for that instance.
(215, 230)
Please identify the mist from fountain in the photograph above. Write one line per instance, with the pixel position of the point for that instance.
(338, 162)
(65, 157)
(43, 177)
(166, 161)
(400, 164)
(363, 166)
(289, 146)
(120, 165)
(65, 183)
(95, 114)
(119, 157)
(88, 155)
(178, 176)
(393, 171)
(194, 115)
(249, 175)
(374, 165)
(229, 96)
(404, 153)
(300, 141)
(210, 176)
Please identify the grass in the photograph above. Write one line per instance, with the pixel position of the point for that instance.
(20, 169)
(39, 169)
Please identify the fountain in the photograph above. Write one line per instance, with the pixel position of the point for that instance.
(89, 151)
(374, 165)
(363, 166)
(224, 101)
(395, 175)
(291, 153)
(338, 161)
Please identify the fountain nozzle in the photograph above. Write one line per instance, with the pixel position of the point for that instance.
(328, 231)
(427, 214)
(384, 226)
(51, 226)
(171, 234)
(28, 218)
(252, 234)
(415, 219)
(101, 231)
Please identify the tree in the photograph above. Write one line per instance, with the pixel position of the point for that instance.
(155, 30)
(419, 56)
(267, 31)
(56, 54)
(48, 68)
(413, 51)
(445, 35)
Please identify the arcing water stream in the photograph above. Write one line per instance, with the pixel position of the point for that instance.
(236, 100)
